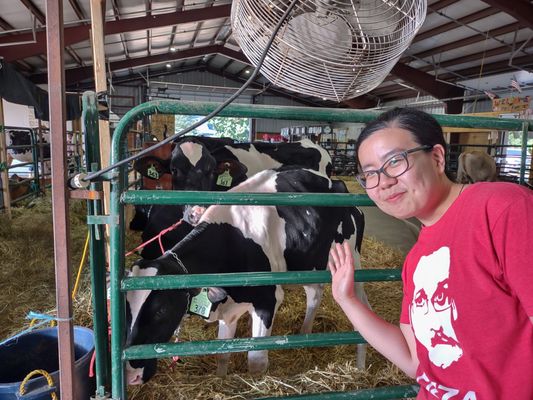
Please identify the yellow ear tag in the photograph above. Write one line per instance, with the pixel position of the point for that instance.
(152, 172)
(224, 179)
(200, 304)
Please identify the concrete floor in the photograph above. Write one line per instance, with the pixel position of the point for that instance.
(394, 232)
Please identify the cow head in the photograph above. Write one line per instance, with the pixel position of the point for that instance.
(194, 167)
(152, 316)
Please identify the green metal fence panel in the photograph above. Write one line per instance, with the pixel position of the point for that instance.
(120, 196)
(251, 279)
(97, 259)
(380, 393)
(255, 199)
(184, 349)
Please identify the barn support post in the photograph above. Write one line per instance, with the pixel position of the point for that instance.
(4, 175)
(120, 195)
(61, 225)
(97, 245)
(97, 41)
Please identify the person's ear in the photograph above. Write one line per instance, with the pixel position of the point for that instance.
(438, 155)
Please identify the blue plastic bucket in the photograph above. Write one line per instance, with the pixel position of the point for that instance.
(38, 350)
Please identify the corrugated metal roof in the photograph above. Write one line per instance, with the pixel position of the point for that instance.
(460, 41)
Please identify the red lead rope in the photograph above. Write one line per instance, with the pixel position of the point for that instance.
(158, 237)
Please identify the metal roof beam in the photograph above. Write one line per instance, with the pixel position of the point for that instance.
(486, 12)
(441, 4)
(476, 56)
(520, 10)
(525, 62)
(360, 102)
(80, 33)
(469, 40)
(35, 11)
(77, 9)
(428, 84)
(79, 74)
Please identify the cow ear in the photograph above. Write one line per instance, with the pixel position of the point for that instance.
(152, 167)
(216, 294)
(234, 168)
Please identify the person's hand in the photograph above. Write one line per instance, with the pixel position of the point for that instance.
(341, 266)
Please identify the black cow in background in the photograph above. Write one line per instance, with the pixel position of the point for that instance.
(245, 239)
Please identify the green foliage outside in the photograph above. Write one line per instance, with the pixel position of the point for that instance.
(515, 139)
(235, 128)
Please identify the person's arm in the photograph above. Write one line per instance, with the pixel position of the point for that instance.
(395, 343)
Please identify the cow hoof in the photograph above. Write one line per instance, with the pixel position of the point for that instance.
(257, 368)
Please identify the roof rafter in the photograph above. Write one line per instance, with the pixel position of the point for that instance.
(80, 33)
(486, 12)
(520, 10)
(428, 84)
(470, 40)
(78, 74)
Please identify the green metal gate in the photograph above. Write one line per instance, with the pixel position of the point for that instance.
(119, 285)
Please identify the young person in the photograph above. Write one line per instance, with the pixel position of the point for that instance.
(466, 325)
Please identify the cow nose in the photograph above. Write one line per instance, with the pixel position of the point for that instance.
(134, 376)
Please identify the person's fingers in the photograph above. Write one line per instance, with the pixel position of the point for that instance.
(332, 268)
(334, 256)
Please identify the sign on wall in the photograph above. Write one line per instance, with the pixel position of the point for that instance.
(511, 104)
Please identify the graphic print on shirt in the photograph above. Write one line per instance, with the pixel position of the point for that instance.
(432, 311)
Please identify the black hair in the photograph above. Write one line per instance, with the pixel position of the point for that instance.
(423, 126)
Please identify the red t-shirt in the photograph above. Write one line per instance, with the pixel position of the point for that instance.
(468, 295)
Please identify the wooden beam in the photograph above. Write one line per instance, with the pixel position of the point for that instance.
(97, 40)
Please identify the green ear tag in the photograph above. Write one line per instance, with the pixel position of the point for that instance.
(224, 179)
(152, 172)
(200, 304)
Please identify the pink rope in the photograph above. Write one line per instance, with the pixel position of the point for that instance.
(158, 237)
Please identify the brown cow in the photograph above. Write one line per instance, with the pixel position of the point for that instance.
(476, 166)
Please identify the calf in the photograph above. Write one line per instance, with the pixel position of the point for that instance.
(218, 164)
(245, 239)
(155, 219)
(215, 164)
(476, 166)
(22, 144)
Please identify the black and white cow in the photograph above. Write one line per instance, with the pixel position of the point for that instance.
(218, 164)
(200, 163)
(22, 144)
(159, 218)
(245, 239)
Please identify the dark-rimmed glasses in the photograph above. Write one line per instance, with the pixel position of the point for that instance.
(395, 166)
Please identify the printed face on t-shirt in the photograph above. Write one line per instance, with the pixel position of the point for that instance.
(433, 311)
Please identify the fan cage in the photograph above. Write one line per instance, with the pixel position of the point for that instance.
(334, 50)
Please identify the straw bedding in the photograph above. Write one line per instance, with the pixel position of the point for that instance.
(27, 284)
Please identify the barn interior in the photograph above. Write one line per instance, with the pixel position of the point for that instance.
(467, 58)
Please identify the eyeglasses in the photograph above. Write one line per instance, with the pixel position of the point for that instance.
(395, 166)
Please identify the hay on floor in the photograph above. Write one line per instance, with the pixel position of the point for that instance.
(28, 284)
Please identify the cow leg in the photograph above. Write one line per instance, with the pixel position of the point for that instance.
(258, 359)
(227, 325)
(226, 330)
(313, 295)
